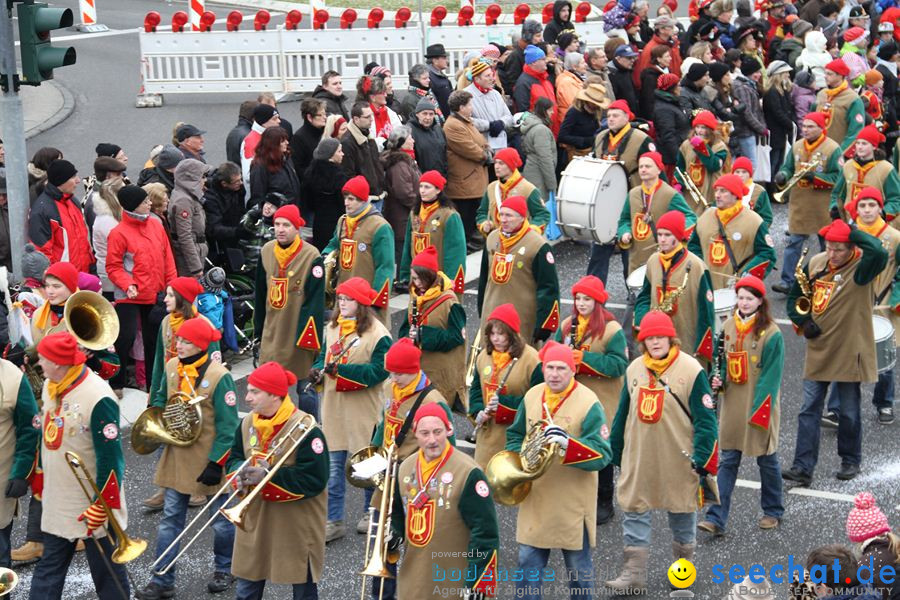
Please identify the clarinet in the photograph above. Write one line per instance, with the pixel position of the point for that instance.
(718, 351)
(335, 360)
(414, 322)
(573, 330)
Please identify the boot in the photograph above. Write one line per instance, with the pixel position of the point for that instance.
(28, 552)
(680, 550)
(633, 579)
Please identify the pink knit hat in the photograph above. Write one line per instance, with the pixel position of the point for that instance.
(866, 520)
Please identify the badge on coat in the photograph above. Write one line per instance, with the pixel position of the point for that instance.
(650, 404)
(230, 398)
(482, 489)
(317, 446)
(110, 431)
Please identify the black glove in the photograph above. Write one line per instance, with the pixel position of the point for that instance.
(701, 472)
(211, 475)
(780, 179)
(496, 128)
(16, 488)
(810, 330)
(314, 375)
(331, 369)
(834, 213)
(809, 177)
(541, 335)
(245, 234)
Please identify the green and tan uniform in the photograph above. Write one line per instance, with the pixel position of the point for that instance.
(548, 518)
(752, 248)
(751, 370)
(179, 467)
(290, 304)
(364, 245)
(165, 351)
(758, 201)
(19, 427)
(841, 303)
(398, 410)
(83, 419)
(441, 323)
(652, 430)
(352, 398)
(49, 319)
(661, 199)
(626, 146)
(703, 168)
(694, 312)
(283, 540)
(495, 194)
(886, 290)
(447, 518)
(603, 362)
(879, 174)
(521, 268)
(808, 210)
(525, 374)
(845, 114)
(442, 228)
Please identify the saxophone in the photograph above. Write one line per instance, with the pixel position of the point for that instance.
(804, 303)
(667, 304)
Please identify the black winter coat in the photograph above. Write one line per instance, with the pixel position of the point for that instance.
(693, 99)
(441, 87)
(224, 209)
(235, 138)
(889, 103)
(157, 175)
(623, 86)
(284, 181)
(779, 114)
(673, 125)
(510, 69)
(648, 87)
(557, 25)
(362, 159)
(430, 146)
(578, 129)
(303, 144)
(334, 105)
(321, 190)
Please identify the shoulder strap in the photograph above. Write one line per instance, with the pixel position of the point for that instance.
(411, 415)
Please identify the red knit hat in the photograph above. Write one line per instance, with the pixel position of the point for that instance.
(820, 119)
(855, 34)
(554, 351)
(65, 272)
(510, 156)
(427, 258)
(623, 106)
(866, 520)
(518, 204)
(506, 313)
(752, 282)
(838, 231)
(291, 213)
(742, 163)
(272, 378)
(704, 117)
(199, 332)
(358, 289)
(673, 221)
(667, 81)
(867, 193)
(61, 348)
(656, 323)
(672, 4)
(432, 409)
(733, 184)
(838, 66)
(434, 178)
(358, 186)
(592, 286)
(656, 157)
(403, 357)
(188, 287)
(871, 134)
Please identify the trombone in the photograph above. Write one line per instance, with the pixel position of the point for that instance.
(376, 564)
(306, 423)
(692, 188)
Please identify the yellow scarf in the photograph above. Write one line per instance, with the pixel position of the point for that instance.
(284, 255)
(54, 389)
(425, 212)
(265, 427)
(428, 466)
(442, 283)
(512, 181)
(615, 138)
(500, 360)
(347, 325)
(652, 190)
(401, 393)
(659, 365)
(665, 258)
(353, 222)
(727, 214)
(581, 327)
(874, 229)
(809, 148)
(43, 315)
(507, 243)
(554, 400)
(175, 321)
(187, 375)
(743, 327)
(831, 94)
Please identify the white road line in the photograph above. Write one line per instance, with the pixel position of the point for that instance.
(801, 491)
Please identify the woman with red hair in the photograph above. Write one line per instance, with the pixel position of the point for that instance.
(272, 169)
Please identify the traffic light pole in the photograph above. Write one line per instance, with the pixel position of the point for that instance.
(13, 120)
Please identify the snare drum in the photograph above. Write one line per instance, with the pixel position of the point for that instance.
(635, 281)
(724, 302)
(589, 199)
(885, 349)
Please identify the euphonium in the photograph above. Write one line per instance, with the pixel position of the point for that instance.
(178, 424)
(510, 473)
(667, 304)
(376, 481)
(91, 319)
(803, 304)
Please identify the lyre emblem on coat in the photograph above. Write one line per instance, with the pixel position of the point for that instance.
(737, 367)
(501, 269)
(641, 229)
(420, 524)
(348, 253)
(822, 293)
(718, 254)
(697, 172)
(420, 242)
(278, 292)
(650, 404)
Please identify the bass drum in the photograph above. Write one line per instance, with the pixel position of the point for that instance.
(590, 198)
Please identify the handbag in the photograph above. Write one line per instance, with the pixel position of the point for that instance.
(552, 231)
(762, 173)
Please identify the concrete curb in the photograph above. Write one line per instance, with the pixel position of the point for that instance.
(59, 116)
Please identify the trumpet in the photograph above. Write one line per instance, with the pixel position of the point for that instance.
(692, 189)
(797, 177)
(376, 563)
(803, 304)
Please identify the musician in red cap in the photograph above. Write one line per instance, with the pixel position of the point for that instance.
(436, 322)
(350, 368)
(678, 281)
(517, 263)
(453, 519)
(80, 414)
(702, 158)
(622, 142)
(363, 244)
(509, 183)
(290, 301)
(747, 372)
(836, 300)
(286, 542)
(666, 409)
(845, 114)
(565, 416)
(868, 167)
(434, 221)
(758, 198)
(646, 203)
(505, 368)
(196, 469)
(815, 162)
(731, 239)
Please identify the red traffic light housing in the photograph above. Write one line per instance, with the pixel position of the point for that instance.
(207, 20)
(376, 16)
(151, 21)
(438, 14)
(402, 17)
(261, 19)
(179, 20)
(547, 13)
(320, 18)
(233, 21)
(465, 16)
(348, 18)
(492, 13)
(292, 19)
(582, 11)
(521, 13)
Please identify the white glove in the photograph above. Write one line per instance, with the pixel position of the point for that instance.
(557, 435)
(481, 418)
(492, 404)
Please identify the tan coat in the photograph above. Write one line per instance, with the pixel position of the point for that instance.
(808, 209)
(627, 154)
(446, 370)
(698, 174)
(873, 174)
(890, 239)
(838, 125)
(466, 152)
(686, 312)
(10, 380)
(741, 231)
(607, 389)
(643, 241)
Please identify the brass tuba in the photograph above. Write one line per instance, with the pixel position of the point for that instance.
(91, 319)
(178, 424)
(510, 473)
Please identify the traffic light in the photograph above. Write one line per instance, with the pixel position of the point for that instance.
(39, 57)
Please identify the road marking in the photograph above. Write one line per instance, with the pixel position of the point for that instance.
(800, 491)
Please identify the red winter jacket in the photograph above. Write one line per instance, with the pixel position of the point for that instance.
(138, 252)
(532, 85)
(56, 227)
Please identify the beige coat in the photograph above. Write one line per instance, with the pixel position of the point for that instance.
(643, 241)
(466, 153)
(808, 209)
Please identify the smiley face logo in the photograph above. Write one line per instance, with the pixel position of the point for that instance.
(682, 573)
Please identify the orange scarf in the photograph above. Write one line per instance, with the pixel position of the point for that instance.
(347, 325)
(187, 375)
(659, 365)
(425, 212)
(666, 258)
(616, 138)
(353, 222)
(286, 255)
(265, 426)
(554, 400)
(512, 181)
(507, 243)
(875, 229)
(727, 214)
(428, 467)
(809, 148)
(831, 94)
(54, 389)
(743, 327)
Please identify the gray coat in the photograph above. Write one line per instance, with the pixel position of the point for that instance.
(539, 147)
(187, 218)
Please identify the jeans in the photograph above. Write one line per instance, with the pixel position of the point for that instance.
(636, 527)
(337, 484)
(50, 573)
(385, 589)
(883, 396)
(792, 256)
(5, 549)
(33, 531)
(172, 523)
(606, 485)
(770, 492)
(129, 315)
(253, 590)
(578, 563)
(849, 444)
(307, 401)
(598, 265)
(747, 147)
